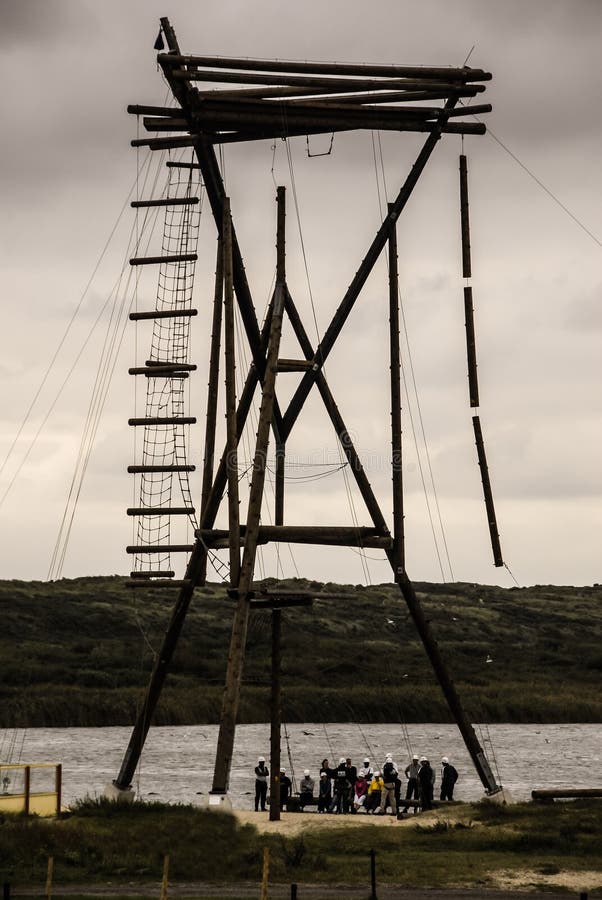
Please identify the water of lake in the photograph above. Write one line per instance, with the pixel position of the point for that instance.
(177, 763)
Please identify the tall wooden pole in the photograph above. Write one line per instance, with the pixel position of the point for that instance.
(231, 430)
(275, 697)
(396, 448)
(225, 741)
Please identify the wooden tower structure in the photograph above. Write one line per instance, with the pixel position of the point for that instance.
(268, 100)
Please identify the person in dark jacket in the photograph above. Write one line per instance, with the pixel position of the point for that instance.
(286, 787)
(351, 779)
(411, 773)
(261, 784)
(340, 797)
(324, 793)
(426, 779)
(449, 776)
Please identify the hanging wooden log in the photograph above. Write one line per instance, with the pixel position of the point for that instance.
(487, 493)
(471, 353)
(464, 218)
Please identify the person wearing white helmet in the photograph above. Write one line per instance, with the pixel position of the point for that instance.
(261, 784)
(306, 790)
(389, 778)
(426, 777)
(449, 776)
(340, 796)
(286, 789)
(411, 773)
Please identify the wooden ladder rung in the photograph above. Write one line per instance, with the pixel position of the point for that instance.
(159, 583)
(186, 367)
(159, 548)
(153, 260)
(163, 420)
(149, 573)
(161, 511)
(135, 470)
(163, 314)
(174, 164)
(158, 372)
(164, 201)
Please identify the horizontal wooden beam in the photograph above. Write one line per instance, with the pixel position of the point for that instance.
(163, 314)
(565, 793)
(163, 420)
(260, 128)
(159, 260)
(307, 81)
(137, 470)
(463, 73)
(150, 573)
(336, 536)
(177, 164)
(164, 201)
(153, 549)
(161, 511)
(135, 109)
(341, 95)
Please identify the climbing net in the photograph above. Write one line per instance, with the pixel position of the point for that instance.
(165, 445)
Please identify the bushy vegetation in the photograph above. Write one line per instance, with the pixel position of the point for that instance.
(79, 652)
(101, 841)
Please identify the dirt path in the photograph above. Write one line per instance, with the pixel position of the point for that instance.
(248, 890)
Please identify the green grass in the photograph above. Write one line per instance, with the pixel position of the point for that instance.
(102, 842)
(79, 652)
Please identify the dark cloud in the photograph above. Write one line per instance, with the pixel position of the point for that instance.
(29, 24)
(67, 167)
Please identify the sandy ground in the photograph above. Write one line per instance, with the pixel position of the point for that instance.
(296, 823)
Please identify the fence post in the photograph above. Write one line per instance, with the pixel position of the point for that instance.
(48, 891)
(6, 891)
(373, 875)
(165, 877)
(265, 873)
(293, 892)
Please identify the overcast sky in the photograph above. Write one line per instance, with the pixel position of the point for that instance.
(71, 68)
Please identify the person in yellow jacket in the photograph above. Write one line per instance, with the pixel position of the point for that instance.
(375, 792)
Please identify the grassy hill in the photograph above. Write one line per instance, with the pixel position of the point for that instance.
(78, 652)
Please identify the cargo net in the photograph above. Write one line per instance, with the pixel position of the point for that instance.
(166, 395)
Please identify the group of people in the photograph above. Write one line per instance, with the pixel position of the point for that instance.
(346, 789)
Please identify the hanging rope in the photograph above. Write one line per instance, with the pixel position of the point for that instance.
(290, 758)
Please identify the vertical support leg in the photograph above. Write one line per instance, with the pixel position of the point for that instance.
(225, 742)
(396, 448)
(231, 430)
